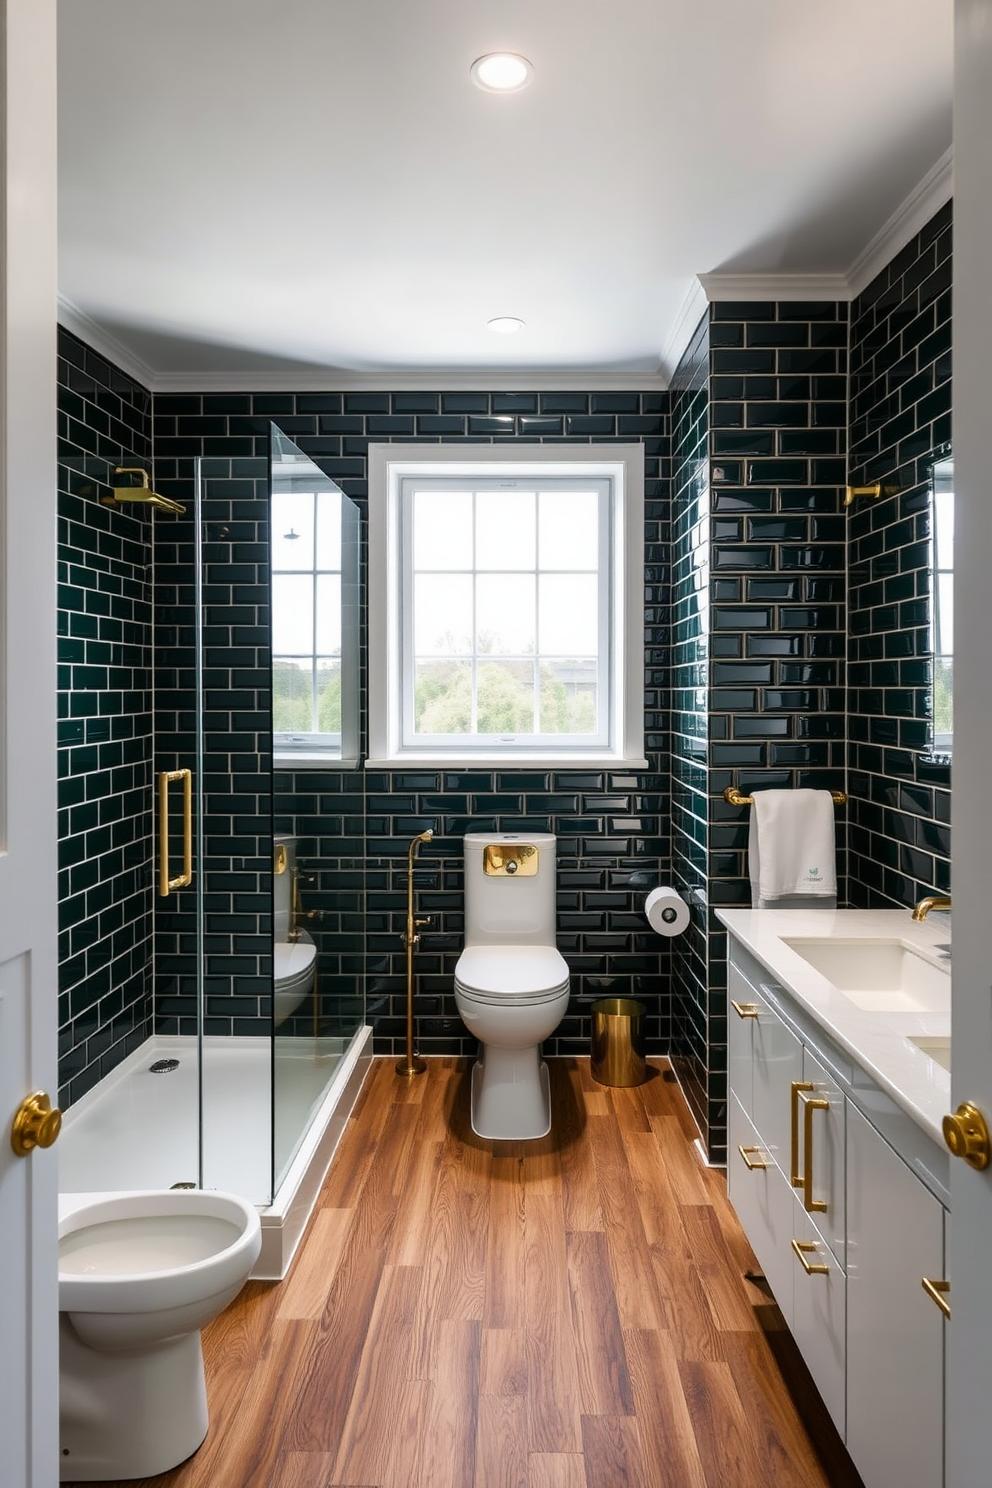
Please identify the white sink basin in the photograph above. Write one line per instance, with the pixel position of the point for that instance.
(879, 976)
(937, 1049)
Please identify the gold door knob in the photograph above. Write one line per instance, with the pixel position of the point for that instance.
(967, 1135)
(36, 1124)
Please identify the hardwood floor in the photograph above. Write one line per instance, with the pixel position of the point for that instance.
(570, 1313)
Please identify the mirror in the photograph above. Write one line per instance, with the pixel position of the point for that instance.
(314, 548)
(942, 606)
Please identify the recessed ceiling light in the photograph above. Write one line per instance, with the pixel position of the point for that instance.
(501, 72)
(505, 325)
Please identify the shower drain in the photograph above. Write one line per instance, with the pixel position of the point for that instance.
(163, 1066)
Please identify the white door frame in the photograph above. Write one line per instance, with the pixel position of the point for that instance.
(28, 839)
(969, 1333)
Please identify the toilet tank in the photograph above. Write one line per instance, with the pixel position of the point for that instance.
(510, 908)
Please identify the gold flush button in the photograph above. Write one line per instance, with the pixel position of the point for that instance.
(510, 860)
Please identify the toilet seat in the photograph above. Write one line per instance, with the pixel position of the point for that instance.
(515, 975)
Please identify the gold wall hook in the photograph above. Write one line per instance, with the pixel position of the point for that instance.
(36, 1123)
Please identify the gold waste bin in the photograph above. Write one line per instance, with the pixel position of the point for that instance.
(618, 1042)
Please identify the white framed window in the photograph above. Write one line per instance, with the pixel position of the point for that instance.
(506, 604)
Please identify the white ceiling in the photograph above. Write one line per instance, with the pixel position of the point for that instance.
(252, 186)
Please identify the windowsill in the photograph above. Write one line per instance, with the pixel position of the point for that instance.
(303, 761)
(505, 762)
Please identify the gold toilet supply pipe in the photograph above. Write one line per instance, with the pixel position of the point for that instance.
(411, 1064)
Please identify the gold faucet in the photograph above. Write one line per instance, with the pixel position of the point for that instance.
(926, 905)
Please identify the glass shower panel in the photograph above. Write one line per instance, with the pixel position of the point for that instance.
(228, 601)
(318, 787)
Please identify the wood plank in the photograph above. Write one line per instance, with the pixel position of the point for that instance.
(504, 1362)
(501, 1446)
(627, 1106)
(447, 1447)
(604, 1384)
(304, 1292)
(344, 1324)
(558, 1470)
(579, 1189)
(772, 1416)
(366, 1442)
(612, 1451)
(727, 1449)
(685, 1171)
(721, 1284)
(504, 1286)
(552, 1374)
(667, 1437)
(638, 1300)
(304, 1470)
(659, 1209)
(414, 1192)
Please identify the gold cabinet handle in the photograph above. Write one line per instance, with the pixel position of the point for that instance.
(748, 1154)
(165, 883)
(966, 1133)
(745, 1009)
(36, 1123)
(938, 1292)
(802, 1249)
(811, 1205)
(798, 1086)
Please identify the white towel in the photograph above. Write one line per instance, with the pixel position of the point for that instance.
(791, 849)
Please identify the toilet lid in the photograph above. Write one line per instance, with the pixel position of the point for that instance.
(511, 971)
(293, 960)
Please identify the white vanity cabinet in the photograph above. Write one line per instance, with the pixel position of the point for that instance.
(895, 1333)
(837, 1190)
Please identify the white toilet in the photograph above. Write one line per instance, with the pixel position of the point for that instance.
(140, 1273)
(511, 981)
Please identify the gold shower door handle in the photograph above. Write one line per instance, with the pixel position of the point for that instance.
(165, 883)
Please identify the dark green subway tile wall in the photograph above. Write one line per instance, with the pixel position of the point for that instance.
(105, 722)
(612, 826)
(900, 811)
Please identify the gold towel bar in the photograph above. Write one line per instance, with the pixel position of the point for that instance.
(123, 495)
(733, 797)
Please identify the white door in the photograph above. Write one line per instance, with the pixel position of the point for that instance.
(28, 927)
(969, 1333)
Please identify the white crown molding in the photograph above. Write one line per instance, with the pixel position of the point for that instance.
(690, 313)
(333, 380)
(89, 330)
(750, 287)
(926, 198)
(910, 216)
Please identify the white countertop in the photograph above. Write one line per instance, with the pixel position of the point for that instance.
(877, 1041)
